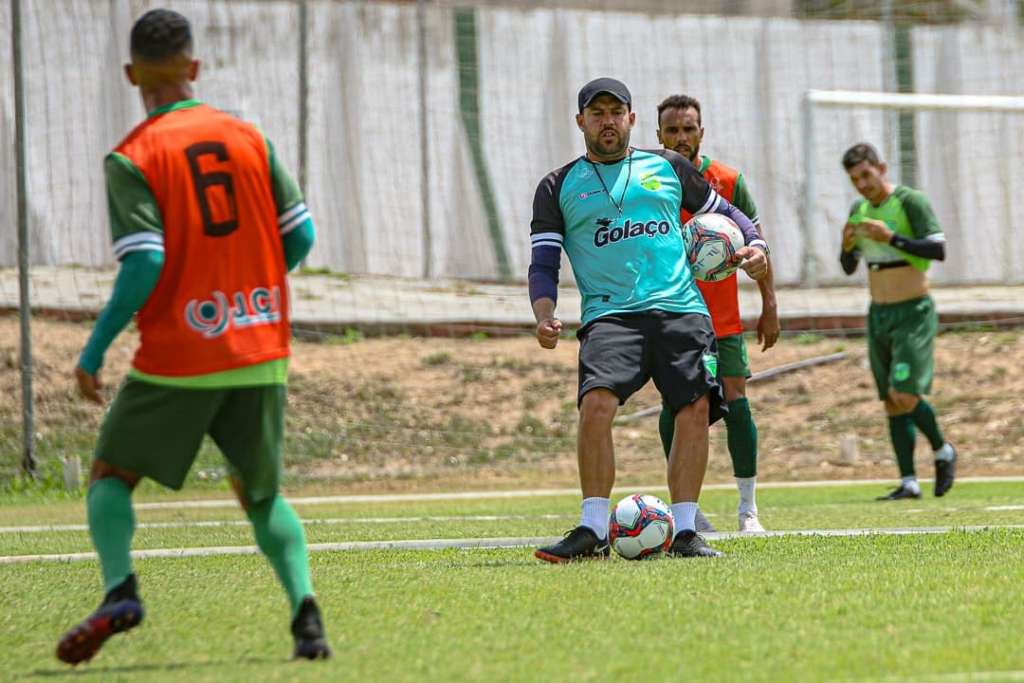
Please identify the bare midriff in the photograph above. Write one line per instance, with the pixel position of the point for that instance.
(893, 285)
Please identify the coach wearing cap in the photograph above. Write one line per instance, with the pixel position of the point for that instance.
(615, 211)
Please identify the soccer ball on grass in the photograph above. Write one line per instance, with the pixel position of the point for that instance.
(640, 527)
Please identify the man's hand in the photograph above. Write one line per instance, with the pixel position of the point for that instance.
(768, 327)
(875, 230)
(753, 261)
(89, 385)
(548, 331)
(849, 236)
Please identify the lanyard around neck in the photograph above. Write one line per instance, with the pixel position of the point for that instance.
(629, 173)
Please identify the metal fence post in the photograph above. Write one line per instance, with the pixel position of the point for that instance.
(28, 460)
(421, 44)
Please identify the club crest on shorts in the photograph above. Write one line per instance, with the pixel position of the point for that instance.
(901, 372)
(711, 363)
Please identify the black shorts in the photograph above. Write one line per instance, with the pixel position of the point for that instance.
(678, 350)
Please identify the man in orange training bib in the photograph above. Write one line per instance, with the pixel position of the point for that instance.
(206, 223)
(680, 128)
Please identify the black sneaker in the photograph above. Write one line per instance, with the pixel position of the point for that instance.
(945, 472)
(308, 631)
(900, 493)
(579, 544)
(688, 543)
(120, 611)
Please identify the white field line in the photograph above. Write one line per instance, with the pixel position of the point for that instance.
(470, 543)
(53, 528)
(213, 524)
(533, 493)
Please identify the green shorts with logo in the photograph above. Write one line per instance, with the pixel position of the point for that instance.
(156, 431)
(901, 340)
(732, 357)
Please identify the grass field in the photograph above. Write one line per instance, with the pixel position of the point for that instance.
(944, 606)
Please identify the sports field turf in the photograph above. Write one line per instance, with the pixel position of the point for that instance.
(927, 607)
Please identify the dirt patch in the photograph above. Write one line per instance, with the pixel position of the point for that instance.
(409, 413)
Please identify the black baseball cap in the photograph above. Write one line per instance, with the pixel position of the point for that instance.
(601, 86)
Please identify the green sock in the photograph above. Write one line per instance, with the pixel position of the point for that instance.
(666, 428)
(280, 536)
(924, 418)
(903, 435)
(741, 436)
(111, 525)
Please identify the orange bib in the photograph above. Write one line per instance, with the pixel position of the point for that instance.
(222, 300)
(722, 297)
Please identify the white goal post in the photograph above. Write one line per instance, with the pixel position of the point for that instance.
(815, 99)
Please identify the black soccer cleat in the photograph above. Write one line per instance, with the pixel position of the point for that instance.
(900, 493)
(120, 611)
(945, 473)
(688, 543)
(579, 544)
(308, 631)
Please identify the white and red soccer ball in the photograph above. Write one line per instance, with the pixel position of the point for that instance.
(711, 240)
(641, 526)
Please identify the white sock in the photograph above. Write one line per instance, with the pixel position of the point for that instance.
(685, 515)
(944, 453)
(910, 483)
(595, 516)
(746, 487)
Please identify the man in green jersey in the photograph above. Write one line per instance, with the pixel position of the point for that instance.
(895, 231)
(205, 223)
(680, 128)
(615, 212)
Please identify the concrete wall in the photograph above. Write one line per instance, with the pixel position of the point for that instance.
(364, 145)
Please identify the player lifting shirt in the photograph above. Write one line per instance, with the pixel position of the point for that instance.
(895, 231)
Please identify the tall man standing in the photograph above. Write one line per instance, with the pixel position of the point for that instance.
(680, 128)
(615, 211)
(206, 223)
(895, 231)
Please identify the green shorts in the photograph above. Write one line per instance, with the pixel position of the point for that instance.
(901, 340)
(732, 357)
(156, 431)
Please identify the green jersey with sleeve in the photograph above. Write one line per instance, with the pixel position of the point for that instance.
(907, 213)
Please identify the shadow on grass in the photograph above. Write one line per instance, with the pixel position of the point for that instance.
(100, 671)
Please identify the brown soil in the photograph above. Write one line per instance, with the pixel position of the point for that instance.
(433, 413)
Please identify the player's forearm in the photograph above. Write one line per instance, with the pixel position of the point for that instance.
(543, 309)
(135, 281)
(543, 274)
(931, 249)
(766, 285)
(297, 243)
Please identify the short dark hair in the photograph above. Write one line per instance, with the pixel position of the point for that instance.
(160, 34)
(862, 151)
(679, 102)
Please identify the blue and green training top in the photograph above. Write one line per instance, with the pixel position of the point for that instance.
(620, 227)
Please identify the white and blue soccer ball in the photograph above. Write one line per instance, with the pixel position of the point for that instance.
(641, 526)
(711, 240)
